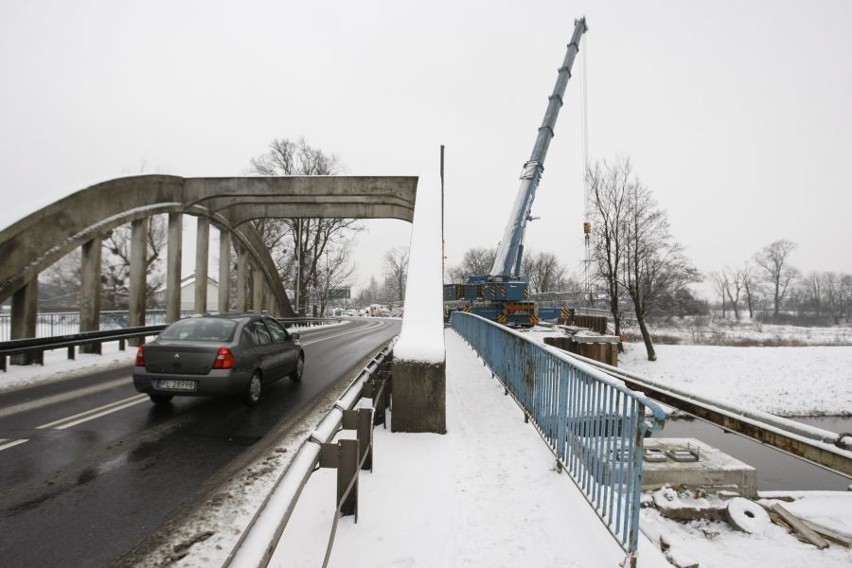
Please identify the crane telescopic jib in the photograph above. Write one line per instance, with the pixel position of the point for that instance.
(502, 294)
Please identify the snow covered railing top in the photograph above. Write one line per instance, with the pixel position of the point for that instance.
(593, 423)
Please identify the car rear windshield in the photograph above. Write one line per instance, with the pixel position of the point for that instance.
(200, 329)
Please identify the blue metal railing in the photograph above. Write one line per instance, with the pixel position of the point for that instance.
(592, 422)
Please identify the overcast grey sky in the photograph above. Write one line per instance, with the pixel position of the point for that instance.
(736, 114)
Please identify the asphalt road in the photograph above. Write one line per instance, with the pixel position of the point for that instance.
(101, 468)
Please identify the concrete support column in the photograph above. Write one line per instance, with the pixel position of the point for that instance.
(202, 246)
(224, 271)
(90, 289)
(419, 396)
(138, 276)
(24, 313)
(242, 279)
(173, 267)
(257, 283)
(418, 372)
(271, 304)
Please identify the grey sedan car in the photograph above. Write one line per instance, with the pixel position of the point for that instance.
(218, 355)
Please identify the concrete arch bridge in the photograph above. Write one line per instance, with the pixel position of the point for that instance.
(83, 218)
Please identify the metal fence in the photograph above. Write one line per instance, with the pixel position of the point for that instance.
(50, 324)
(593, 423)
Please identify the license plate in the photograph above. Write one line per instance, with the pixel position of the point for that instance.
(175, 384)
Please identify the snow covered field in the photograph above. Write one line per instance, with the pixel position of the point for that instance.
(786, 381)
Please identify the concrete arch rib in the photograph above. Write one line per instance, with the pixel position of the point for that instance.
(35, 242)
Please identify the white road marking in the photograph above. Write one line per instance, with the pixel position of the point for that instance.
(348, 332)
(70, 421)
(6, 444)
(47, 401)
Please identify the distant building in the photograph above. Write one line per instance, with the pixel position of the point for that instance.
(187, 294)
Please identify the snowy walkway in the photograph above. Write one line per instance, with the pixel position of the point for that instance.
(486, 494)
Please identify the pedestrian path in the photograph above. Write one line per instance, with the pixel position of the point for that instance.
(486, 494)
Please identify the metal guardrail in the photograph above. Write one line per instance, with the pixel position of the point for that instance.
(307, 322)
(593, 423)
(52, 324)
(34, 348)
(257, 544)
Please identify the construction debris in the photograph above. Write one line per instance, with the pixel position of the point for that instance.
(797, 526)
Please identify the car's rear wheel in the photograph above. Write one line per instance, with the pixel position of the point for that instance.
(160, 398)
(296, 373)
(255, 387)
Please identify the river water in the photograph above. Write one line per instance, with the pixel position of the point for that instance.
(775, 469)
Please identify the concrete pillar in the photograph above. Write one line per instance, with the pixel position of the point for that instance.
(173, 267)
(224, 271)
(419, 396)
(257, 283)
(418, 372)
(24, 314)
(202, 246)
(242, 279)
(271, 304)
(90, 289)
(138, 276)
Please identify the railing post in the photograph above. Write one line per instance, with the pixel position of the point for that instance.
(347, 478)
(343, 456)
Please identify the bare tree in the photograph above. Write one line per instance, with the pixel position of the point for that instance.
(302, 243)
(814, 284)
(116, 262)
(476, 261)
(544, 271)
(396, 271)
(63, 278)
(610, 186)
(720, 284)
(371, 293)
(751, 288)
(335, 271)
(635, 251)
(835, 293)
(731, 282)
(773, 259)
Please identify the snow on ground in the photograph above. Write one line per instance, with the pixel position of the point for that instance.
(785, 381)
(58, 367)
(486, 494)
(747, 332)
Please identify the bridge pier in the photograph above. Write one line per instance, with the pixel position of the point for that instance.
(257, 283)
(24, 312)
(90, 289)
(138, 279)
(242, 279)
(419, 396)
(173, 267)
(224, 271)
(202, 246)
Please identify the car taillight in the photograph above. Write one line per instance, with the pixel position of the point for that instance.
(140, 357)
(224, 359)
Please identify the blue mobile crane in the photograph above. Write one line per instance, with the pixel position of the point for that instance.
(502, 295)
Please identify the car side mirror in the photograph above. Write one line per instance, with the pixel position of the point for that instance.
(295, 335)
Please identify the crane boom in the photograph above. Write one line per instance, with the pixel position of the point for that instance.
(507, 263)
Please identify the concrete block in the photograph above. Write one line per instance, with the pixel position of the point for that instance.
(714, 470)
(419, 396)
